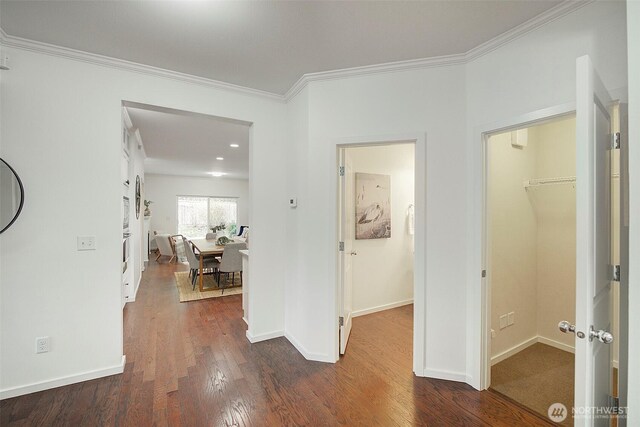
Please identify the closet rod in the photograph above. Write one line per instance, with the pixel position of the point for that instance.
(538, 182)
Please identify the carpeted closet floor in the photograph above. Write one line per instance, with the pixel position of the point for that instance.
(536, 377)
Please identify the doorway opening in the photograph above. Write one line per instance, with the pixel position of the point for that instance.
(376, 211)
(531, 259)
(192, 218)
(531, 262)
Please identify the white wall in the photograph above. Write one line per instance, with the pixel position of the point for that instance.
(513, 233)
(633, 28)
(415, 101)
(533, 237)
(61, 129)
(383, 268)
(555, 206)
(163, 190)
(69, 158)
(534, 72)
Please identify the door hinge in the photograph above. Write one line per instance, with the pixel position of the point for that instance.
(341, 170)
(484, 273)
(341, 246)
(341, 321)
(615, 141)
(614, 404)
(615, 273)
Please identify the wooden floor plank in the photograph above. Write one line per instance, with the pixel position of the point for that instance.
(190, 364)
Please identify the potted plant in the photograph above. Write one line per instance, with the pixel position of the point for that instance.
(218, 229)
(147, 211)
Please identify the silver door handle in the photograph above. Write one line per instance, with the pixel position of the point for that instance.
(566, 327)
(601, 335)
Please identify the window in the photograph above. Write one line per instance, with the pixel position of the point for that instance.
(196, 215)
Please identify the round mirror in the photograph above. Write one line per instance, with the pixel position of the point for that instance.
(11, 195)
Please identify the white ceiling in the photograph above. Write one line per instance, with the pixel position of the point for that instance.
(266, 45)
(180, 143)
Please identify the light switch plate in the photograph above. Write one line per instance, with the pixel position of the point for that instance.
(86, 243)
(511, 318)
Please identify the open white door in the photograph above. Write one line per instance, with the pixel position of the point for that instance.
(347, 233)
(593, 240)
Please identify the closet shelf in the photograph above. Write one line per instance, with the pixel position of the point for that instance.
(561, 180)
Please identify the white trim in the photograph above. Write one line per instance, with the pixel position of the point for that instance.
(135, 292)
(263, 337)
(514, 350)
(564, 8)
(419, 273)
(62, 381)
(121, 64)
(479, 289)
(382, 307)
(557, 344)
(317, 357)
(387, 67)
(528, 343)
(615, 364)
(444, 375)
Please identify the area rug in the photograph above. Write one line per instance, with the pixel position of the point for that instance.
(183, 282)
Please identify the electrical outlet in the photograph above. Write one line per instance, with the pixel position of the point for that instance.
(42, 344)
(86, 243)
(511, 318)
(503, 321)
(493, 333)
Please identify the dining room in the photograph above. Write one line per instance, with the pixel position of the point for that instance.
(196, 190)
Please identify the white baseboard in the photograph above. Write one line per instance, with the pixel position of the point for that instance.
(513, 350)
(381, 308)
(316, 357)
(531, 341)
(556, 344)
(443, 375)
(59, 382)
(135, 292)
(263, 337)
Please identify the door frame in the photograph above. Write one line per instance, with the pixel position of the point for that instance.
(483, 335)
(419, 271)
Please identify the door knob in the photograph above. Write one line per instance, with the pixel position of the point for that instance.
(601, 335)
(353, 253)
(566, 327)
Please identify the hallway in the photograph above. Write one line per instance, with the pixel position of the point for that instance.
(190, 364)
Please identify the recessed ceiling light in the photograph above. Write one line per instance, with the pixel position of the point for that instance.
(234, 145)
(219, 158)
(217, 174)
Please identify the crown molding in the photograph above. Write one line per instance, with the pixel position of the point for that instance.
(563, 9)
(106, 61)
(388, 67)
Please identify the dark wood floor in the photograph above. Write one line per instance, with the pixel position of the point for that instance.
(190, 364)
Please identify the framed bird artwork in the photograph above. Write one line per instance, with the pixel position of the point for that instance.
(373, 206)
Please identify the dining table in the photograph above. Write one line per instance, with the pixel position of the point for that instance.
(205, 248)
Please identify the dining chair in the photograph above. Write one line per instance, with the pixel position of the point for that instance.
(231, 262)
(165, 248)
(194, 262)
